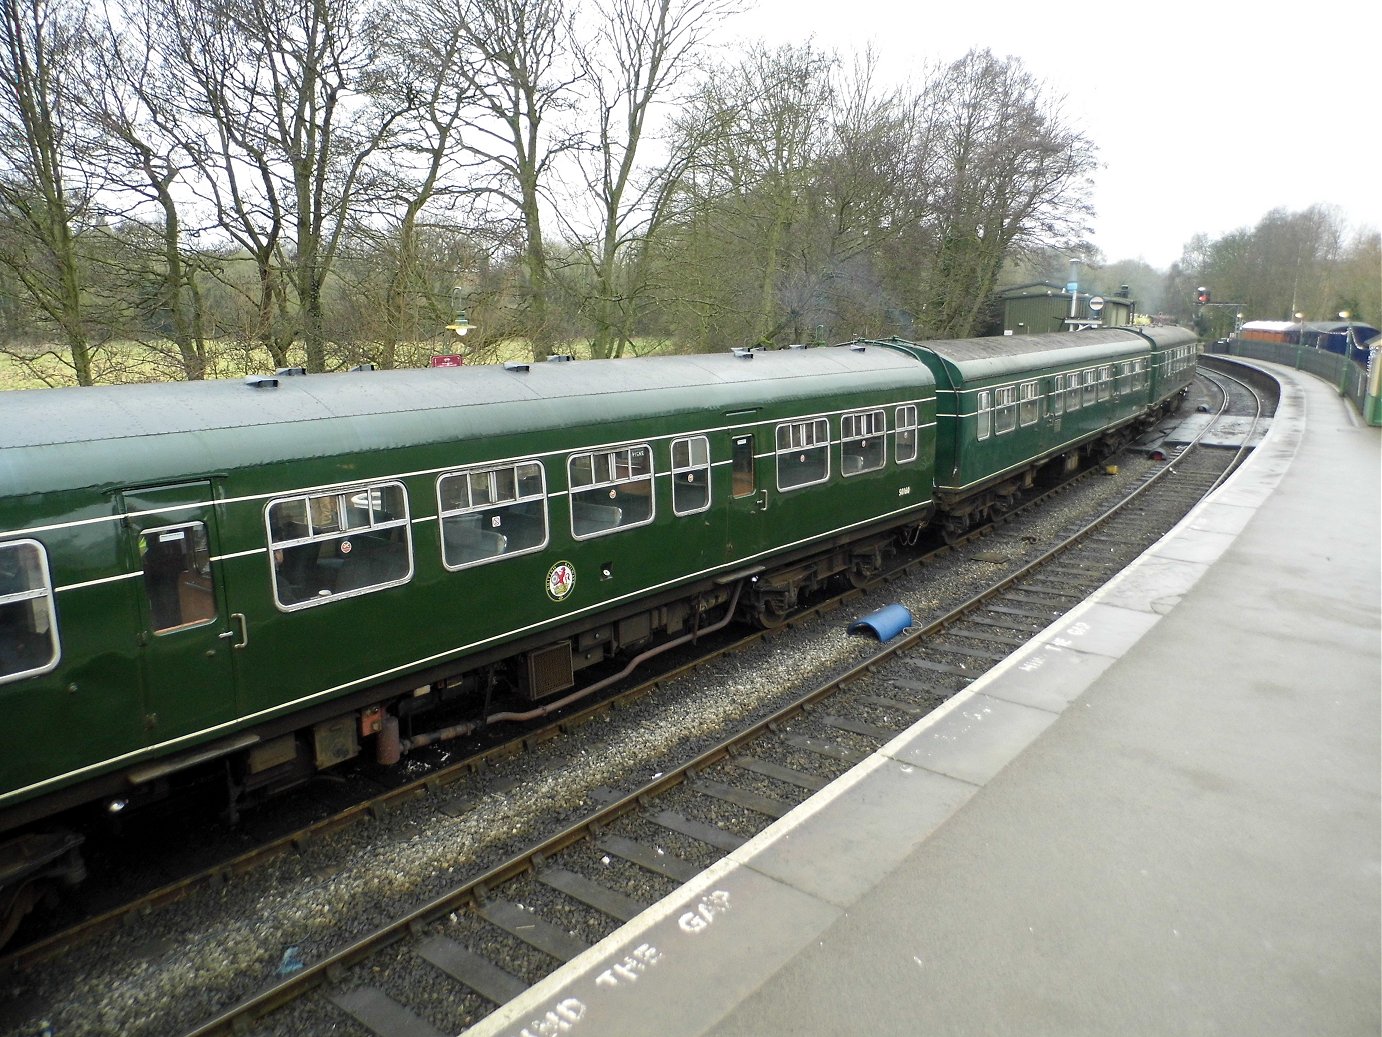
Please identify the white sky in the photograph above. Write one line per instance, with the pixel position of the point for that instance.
(1206, 115)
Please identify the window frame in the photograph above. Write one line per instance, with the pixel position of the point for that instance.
(876, 420)
(906, 418)
(197, 524)
(610, 454)
(42, 592)
(1004, 409)
(983, 414)
(743, 466)
(692, 468)
(471, 508)
(328, 535)
(1073, 398)
(1028, 402)
(820, 442)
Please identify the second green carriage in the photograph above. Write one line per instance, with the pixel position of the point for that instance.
(1010, 408)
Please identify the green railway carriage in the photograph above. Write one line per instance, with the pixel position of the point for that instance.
(1172, 362)
(252, 580)
(1011, 407)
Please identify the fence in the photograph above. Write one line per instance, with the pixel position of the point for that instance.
(1362, 385)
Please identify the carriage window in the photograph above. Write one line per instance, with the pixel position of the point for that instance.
(28, 629)
(1055, 400)
(491, 512)
(906, 418)
(177, 577)
(610, 489)
(1072, 391)
(339, 544)
(1005, 409)
(1091, 385)
(1029, 402)
(983, 414)
(690, 475)
(803, 453)
(863, 442)
(745, 481)
(1105, 382)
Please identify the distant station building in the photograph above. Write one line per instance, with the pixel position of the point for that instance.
(1042, 307)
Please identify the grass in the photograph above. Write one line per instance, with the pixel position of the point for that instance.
(42, 366)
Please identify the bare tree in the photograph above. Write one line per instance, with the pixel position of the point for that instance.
(1010, 175)
(804, 201)
(276, 114)
(44, 192)
(125, 109)
(760, 128)
(634, 59)
(520, 69)
(422, 169)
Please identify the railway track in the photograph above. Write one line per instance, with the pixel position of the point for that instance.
(622, 845)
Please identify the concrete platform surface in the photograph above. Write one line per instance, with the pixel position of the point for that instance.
(1162, 817)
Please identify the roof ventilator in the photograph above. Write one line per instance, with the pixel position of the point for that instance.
(361, 367)
(514, 365)
(743, 354)
(260, 381)
(857, 347)
(290, 372)
(560, 358)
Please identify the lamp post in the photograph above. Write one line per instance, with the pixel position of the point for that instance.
(460, 326)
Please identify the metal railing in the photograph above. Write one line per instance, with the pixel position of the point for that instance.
(1359, 383)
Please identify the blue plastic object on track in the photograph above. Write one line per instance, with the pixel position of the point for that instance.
(885, 624)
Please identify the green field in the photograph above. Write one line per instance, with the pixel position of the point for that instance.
(37, 367)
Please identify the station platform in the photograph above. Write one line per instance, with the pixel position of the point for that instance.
(1160, 817)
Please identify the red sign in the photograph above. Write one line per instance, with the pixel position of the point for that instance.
(448, 360)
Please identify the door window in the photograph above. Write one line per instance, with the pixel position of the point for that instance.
(177, 577)
(745, 483)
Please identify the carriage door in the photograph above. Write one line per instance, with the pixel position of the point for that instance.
(748, 499)
(188, 639)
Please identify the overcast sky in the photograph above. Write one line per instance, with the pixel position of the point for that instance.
(1206, 115)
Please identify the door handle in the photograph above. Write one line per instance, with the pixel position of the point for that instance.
(239, 619)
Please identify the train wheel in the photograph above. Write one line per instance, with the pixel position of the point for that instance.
(36, 865)
(770, 615)
(18, 902)
(864, 570)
